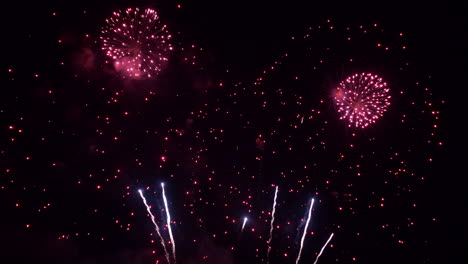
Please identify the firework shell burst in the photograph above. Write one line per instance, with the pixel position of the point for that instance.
(362, 99)
(137, 42)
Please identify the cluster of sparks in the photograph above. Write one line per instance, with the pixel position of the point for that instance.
(109, 146)
(362, 99)
(137, 42)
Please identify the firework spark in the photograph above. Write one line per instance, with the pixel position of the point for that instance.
(155, 226)
(137, 42)
(271, 225)
(362, 99)
(168, 216)
(243, 224)
(305, 231)
(323, 248)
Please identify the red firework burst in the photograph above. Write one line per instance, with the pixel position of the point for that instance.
(137, 42)
(362, 99)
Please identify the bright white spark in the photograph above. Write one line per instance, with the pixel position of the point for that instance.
(243, 225)
(155, 225)
(305, 231)
(323, 248)
(271, 225)
(168, 216)
(302, 119)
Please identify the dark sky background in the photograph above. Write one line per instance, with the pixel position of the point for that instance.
(244, 37)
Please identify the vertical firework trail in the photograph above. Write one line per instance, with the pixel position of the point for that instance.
(156, 226)
(323, 248)
(243, 225)
(305, 231)
(168, 216)
(271, 225)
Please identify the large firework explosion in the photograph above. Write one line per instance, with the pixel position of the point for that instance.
(362, 99)
(77, 146)
(137, 42)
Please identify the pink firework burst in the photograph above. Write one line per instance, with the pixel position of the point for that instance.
(362, 99)
(137, 42)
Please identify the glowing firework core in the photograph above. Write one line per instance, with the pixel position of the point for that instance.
(362, 99)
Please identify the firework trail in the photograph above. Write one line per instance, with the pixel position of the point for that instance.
(271, 225)
(323, 248)
(169, 222)
(156, 226)
(243, 225)
(305, 231)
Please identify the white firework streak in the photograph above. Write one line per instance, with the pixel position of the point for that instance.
(169, 222)
(271, 225)
(156, 226)
(305, 231)
(323, 248)
(243, 225)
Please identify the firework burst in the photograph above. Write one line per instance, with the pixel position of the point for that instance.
(137, 42)
(362, 99)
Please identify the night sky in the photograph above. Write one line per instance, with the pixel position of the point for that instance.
(244, 100)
